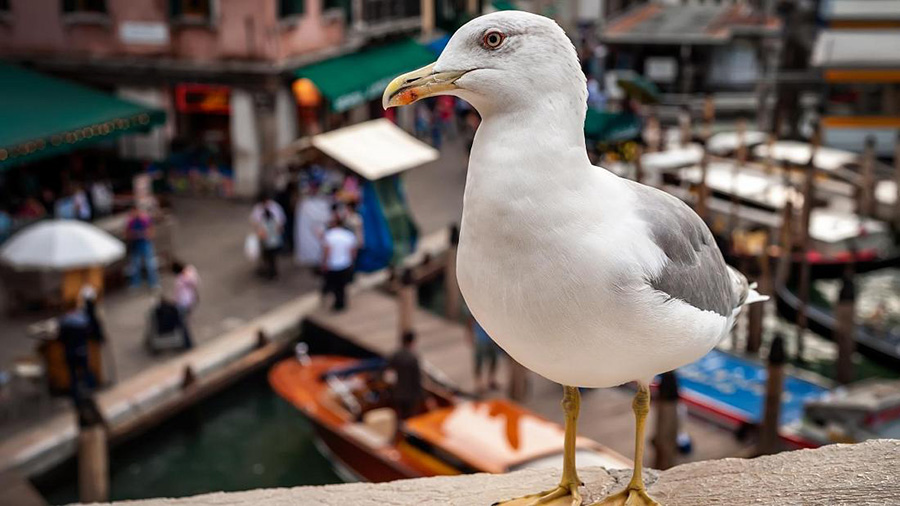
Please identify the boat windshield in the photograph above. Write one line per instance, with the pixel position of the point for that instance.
(584, 456)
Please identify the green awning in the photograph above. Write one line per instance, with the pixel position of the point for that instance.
(43, 116)
(503, 5)
(602, 126)
(353, 79)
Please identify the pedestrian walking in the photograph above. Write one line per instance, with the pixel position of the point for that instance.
(338, 257)
(268, 220)
(186, 297)
(139, 232)
(354, 222)
(486, 353)
(77, 329)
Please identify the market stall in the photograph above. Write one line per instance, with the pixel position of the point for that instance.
(378, 152)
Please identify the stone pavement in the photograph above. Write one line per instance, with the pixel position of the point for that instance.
(209, 234)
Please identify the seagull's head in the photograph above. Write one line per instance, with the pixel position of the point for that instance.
(504, 60)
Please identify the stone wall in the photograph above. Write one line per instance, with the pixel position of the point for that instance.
(863, 474)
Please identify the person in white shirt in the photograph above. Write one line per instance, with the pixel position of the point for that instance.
(339, 247)
(268, 219)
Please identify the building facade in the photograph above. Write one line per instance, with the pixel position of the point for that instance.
(221, 69)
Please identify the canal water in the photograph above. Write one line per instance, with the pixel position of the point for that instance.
(243, 438)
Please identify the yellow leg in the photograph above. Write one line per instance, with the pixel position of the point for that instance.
(635, 494)
(566, 493)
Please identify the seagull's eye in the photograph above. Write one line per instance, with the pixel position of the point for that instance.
(493, 39)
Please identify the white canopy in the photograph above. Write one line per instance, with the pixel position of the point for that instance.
(723, 143)
(798, 153)
(61, 245)
(375, 149)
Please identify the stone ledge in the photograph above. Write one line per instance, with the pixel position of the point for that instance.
(863, 474)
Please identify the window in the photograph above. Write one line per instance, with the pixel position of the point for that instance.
(288, 8)
(190, 9)
(4, 5)
(335, 4)
(96, 6)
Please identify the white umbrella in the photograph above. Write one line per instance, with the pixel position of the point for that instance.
(61, 245)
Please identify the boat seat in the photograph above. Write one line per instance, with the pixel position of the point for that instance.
(381, 421)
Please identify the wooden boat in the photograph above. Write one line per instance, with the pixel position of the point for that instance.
(883, 348)
(756, 198)
(348, 404)
(868, 409)
(729, 390)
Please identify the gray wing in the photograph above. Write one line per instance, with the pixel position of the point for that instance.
(695, 272)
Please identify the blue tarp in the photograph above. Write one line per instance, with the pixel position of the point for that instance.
(379, 245)
(739, 385)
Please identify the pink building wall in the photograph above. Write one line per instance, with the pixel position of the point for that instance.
(240, 30)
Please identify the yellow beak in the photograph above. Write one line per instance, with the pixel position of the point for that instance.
(418, 84)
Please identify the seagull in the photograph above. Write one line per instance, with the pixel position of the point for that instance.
(586, 278)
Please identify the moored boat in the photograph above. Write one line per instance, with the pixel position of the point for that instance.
(349, 406)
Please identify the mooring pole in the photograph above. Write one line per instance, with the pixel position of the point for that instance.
(845, 327)
(769, 441)
(866, 191)
(897, 182)
(703, 191)
(666, 439)
(685, 128)
(406, 302)
(93, 457)
(451, 285)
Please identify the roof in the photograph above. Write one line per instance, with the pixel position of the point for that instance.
(857, 49)
(860, 10)
(375, 149)
(654, 23)
(353, 79)
(491, 436)
(44, 116)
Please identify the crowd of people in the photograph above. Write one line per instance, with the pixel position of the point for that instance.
(324, 231)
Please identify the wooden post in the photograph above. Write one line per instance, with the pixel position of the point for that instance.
(638, 167)
(666, 439)
(451, 285)
(654, 135)
(709, 115)
(805, 281)
(897, 182)
(768, 436)
(93, 458)
(406, 302)
(518, 381)
(427, 12)
(866, 191)
(684, 124)
(845, 327)
(702, 190)
(756, 311)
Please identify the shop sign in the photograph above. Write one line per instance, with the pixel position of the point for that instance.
(202, 98)
(144, 33)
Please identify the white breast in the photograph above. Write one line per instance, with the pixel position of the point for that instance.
(562, 289)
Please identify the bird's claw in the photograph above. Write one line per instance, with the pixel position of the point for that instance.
(562, 495)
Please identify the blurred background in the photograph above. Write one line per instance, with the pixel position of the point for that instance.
(213, 239)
